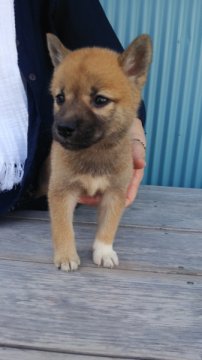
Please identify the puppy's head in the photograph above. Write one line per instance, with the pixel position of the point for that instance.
(96, 91)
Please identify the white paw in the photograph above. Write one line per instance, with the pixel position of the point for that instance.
(67, 264)
(104, 255)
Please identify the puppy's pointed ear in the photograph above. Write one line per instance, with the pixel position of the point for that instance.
(135, 60)
(56, 49)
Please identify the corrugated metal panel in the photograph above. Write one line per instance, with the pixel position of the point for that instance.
(173, 94)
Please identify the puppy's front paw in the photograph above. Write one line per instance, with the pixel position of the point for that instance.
(104, 255)
(67, 262)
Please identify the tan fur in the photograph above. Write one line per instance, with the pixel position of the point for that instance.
(106, 166)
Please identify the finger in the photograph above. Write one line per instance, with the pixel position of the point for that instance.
(92, 201)
(131, 196)
(134, 186)
(139, 163)
(138, 156)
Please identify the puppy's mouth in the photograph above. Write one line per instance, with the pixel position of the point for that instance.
(77, 145)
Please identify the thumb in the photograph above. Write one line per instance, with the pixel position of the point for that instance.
(139, 163)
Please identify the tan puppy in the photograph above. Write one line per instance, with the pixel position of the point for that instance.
(96, 96)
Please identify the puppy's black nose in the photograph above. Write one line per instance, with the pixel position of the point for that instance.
(67, 129)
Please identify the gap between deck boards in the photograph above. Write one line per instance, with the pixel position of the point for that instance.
(61, 355)
(87, 223)
(163, 271)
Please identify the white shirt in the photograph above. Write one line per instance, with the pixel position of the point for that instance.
(13, 103)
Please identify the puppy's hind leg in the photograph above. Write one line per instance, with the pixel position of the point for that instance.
(110, 211)
(62, 207)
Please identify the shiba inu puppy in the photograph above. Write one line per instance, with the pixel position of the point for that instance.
(96, 94)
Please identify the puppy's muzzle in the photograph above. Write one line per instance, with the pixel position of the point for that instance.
(66, 130)
(75, 134)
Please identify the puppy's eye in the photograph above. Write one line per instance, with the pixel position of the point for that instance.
(100, 101)
(60, 98)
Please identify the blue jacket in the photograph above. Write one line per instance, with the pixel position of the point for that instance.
(77, 23)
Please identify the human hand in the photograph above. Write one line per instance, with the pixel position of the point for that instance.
(139, 150)
(90, 200)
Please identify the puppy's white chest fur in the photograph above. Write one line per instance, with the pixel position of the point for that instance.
(92, 185)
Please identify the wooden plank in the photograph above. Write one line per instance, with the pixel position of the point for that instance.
(101, 312)
(158, 209)
(27, 354)
(138, 249)
(155, 207)
(165, 190)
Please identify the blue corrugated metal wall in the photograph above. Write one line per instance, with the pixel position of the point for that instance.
(173, 94)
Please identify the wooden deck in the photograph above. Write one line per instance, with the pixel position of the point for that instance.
(150, 307)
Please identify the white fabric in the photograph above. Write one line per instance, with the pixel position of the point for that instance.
(13, 103)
